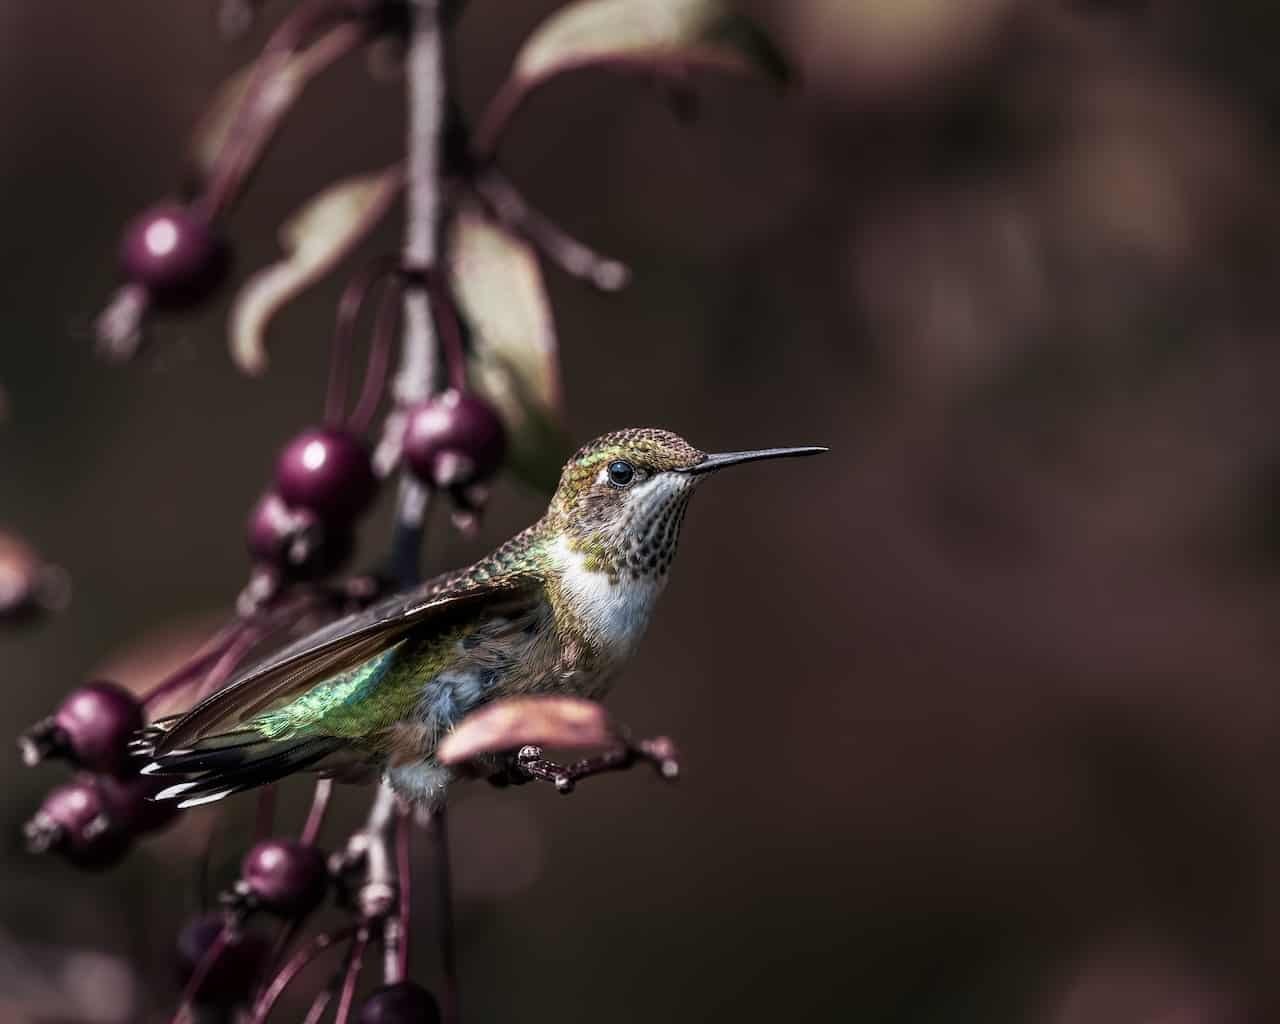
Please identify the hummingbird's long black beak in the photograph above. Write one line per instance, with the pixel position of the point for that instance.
(721, 459)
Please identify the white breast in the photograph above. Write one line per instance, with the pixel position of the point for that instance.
(614, 613)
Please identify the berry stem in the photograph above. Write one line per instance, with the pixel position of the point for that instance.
(315, 817)
(293, 967)
(386, 320)
(355, 960)
(187, 673)
(449, 329)
(575, 258)
(380, 273)
(202, 969)
(269, 95)
(493, 122)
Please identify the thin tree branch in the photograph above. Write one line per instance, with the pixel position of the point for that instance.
(660, 752)
(424, 203)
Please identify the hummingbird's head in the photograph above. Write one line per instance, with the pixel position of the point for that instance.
(622, 498)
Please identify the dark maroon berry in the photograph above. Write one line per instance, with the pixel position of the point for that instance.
(405, 1002)
(454, 440)
(174, 253)
(92, 727)
(128, 803)
(74, 821)
(328, 472)
(232, 977)
(294, 540)
(285, 876)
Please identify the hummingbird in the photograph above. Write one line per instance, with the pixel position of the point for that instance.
(557, 609)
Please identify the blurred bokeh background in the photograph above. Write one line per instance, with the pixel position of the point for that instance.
(979, 714)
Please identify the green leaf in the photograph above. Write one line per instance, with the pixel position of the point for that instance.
(660, 34)
(514, 360)
(315, 240)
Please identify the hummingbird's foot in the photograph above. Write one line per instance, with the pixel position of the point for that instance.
(659, 752)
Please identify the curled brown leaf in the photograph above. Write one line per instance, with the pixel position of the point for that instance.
(561, 722)
(314, 240)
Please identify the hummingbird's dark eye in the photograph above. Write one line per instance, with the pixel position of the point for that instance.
(621, 473)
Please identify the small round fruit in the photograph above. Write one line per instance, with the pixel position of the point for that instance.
(294, 541)
(92, 728)
(454, 439)
(128, 803)
(174, 253)
(232, 977)
(405, 1002)
(328, 472)
(287, 877)
(74, 821)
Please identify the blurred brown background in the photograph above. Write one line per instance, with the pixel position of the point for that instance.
(978, 713)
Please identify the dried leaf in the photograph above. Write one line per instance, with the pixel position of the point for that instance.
(314, 240)
(673, 34)
(562, 722)
(514, 360)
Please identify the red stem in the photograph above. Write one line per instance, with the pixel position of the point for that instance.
(292, 969)
(493, 122)
(355, 961)
(349, 307)
(386, 321)
(319, 1005)
(315, 817)
(254, 125)
(189, 672)
(448, 327)
(201, 972)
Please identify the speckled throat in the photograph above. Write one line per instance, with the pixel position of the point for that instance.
(641, 542)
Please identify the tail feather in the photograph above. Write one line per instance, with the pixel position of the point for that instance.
(219, 766)
(216, 754)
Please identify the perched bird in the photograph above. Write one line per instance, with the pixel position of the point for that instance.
(557, 609)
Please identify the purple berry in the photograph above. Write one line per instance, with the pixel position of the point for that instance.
(128, 803)
(294, 541)
(92, 728)
(453, 440)
(402, 1003)
(74, 821)
(326, 471)
(285, 876)
(233, 975)
(174, 253)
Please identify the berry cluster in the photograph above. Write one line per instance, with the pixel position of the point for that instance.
(480, 313)
(93, 819)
